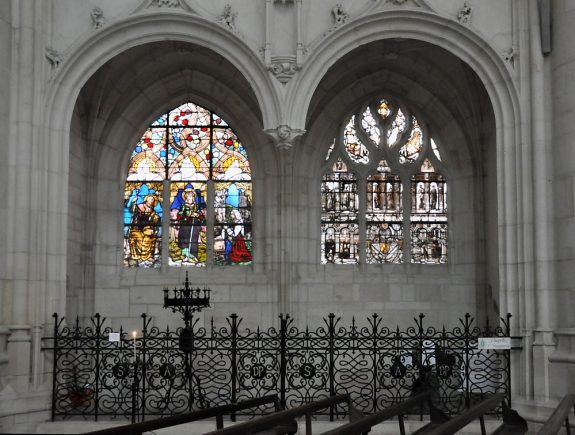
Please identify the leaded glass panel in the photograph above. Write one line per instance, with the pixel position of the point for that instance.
(369, 125)
(388, 223)
(428, 216)
(187, 244)
(232, 229)
(147, 162)
(142, 224)
(398, 127)
(356, 150)
(409, 152)
(229, 157)
(384, 216)
(233, 222)
(189, 146)
(340, 243)
(340, 234)
(189, 114)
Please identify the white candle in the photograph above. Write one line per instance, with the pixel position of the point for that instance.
(134, 334)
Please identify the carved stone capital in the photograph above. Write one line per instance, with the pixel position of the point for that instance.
(283, 136)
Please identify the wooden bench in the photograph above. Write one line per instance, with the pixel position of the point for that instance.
(365, 424)
(270, 423)
(560, 415)
(201, 414)
(512, 424)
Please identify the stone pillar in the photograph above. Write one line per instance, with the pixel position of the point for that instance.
(28, 194)
(19, 357)
(561, 362)
(284, 138)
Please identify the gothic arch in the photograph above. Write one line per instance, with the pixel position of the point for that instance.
(84, 61)
(494, 75)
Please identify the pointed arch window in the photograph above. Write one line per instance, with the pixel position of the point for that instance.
(387, 154)
(190, 166)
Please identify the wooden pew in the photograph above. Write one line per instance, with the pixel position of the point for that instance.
(560, 415)
(216, 411)
(365, 424)
(512, 424)
(270, 422)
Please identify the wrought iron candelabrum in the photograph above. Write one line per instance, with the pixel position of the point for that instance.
(187, 301)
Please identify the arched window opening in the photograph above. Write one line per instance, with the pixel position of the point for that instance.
(192, 154)
(393, 154)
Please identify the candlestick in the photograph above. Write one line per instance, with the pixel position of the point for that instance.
(134, 334)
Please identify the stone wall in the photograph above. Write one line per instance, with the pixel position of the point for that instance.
(81, 84)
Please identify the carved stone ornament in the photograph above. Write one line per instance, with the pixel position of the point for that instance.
(464, 15)
(397, 2)
(283, 2)
(97, 16)
(509, 55)
(228, 18)
(164, 4)
(54, 57)
(339, 15)
(167, 3)
(284, 136)
(283, 67)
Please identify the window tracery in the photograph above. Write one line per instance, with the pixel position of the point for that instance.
(385, 155)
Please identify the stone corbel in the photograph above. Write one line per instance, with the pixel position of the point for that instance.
(510, 55)
(284, 137)
(54, 57)
(283, 67)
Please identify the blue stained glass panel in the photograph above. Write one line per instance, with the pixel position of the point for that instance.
(142, 224)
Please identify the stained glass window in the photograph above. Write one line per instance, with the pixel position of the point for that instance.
(384, 216)
(428, 216)
(203, 161)
(401, 162)
(340, 231)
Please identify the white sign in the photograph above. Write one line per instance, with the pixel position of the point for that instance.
(114, 336)
(498, 343)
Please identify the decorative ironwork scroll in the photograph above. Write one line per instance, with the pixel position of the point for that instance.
(380, 366)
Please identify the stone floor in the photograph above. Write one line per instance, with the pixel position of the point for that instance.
(198, 428)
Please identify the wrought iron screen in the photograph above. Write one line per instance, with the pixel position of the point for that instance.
(378, 365)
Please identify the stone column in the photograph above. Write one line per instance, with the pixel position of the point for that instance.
(28, 195)
(284, 138)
